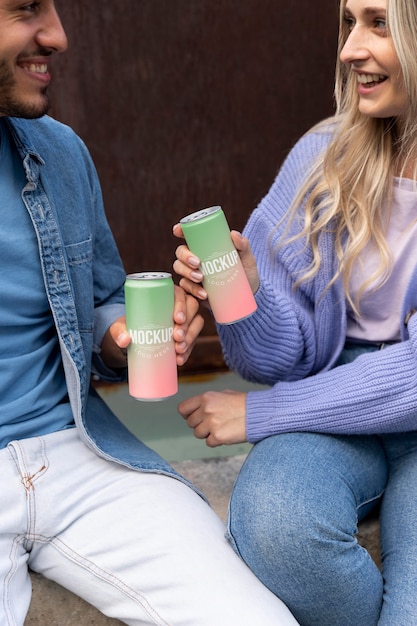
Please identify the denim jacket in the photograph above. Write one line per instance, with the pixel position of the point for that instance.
(83, 276)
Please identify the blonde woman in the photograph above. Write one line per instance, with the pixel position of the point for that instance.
(334, 271)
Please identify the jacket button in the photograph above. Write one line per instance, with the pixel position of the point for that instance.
(409, 316)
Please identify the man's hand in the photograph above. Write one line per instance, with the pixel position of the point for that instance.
(219, 417)
(114, 344)
(187, 326)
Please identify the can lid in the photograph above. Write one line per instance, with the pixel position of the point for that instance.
(198, 215)
(148, 275)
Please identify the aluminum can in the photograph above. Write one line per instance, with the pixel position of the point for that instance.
(207, 234)
(151, 357)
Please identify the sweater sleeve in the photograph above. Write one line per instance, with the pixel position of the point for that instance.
(278, 342)
(375, 394)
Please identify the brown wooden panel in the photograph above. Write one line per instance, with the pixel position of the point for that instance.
(188, 103)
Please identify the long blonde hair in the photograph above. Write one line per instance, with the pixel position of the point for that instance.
(354, 178)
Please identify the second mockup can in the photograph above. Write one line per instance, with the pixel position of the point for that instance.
(151, 357)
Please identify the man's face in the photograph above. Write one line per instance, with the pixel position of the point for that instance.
(29, 33)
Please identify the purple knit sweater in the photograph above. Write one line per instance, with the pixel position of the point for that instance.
(293, 340)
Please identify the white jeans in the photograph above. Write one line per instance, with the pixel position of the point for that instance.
(141, 547)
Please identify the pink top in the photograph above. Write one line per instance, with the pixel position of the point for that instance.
(380, 310)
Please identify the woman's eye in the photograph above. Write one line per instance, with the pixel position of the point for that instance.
(349, 22)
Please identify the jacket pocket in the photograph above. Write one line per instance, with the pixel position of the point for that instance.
(80, 262)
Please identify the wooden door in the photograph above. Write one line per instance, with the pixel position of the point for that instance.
(189, 103)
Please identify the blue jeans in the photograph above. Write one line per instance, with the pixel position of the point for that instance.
(294, 515)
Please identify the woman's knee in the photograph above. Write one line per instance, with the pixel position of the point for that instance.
(293, 490)
(272, 508)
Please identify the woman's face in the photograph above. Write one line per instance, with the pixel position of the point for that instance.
(370, 53)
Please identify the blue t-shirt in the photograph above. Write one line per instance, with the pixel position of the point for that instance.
(33, 392)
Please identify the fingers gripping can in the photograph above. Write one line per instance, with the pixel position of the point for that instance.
(151, 358)
(207, 234)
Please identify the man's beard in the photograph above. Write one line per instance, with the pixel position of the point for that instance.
(10, 105)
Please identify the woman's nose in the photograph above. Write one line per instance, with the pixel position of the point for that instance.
(356, 46)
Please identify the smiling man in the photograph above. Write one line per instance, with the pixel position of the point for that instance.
(83, 501)
(24, 73)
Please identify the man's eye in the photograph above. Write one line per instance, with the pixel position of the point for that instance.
(31, 8)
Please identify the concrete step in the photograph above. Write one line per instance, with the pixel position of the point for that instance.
(54, 606)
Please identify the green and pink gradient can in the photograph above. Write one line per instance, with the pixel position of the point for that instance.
(151, 357)
(207, 234)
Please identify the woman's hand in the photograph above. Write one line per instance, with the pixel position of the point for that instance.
(242, 245)
(219, 417)
(187, 265)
